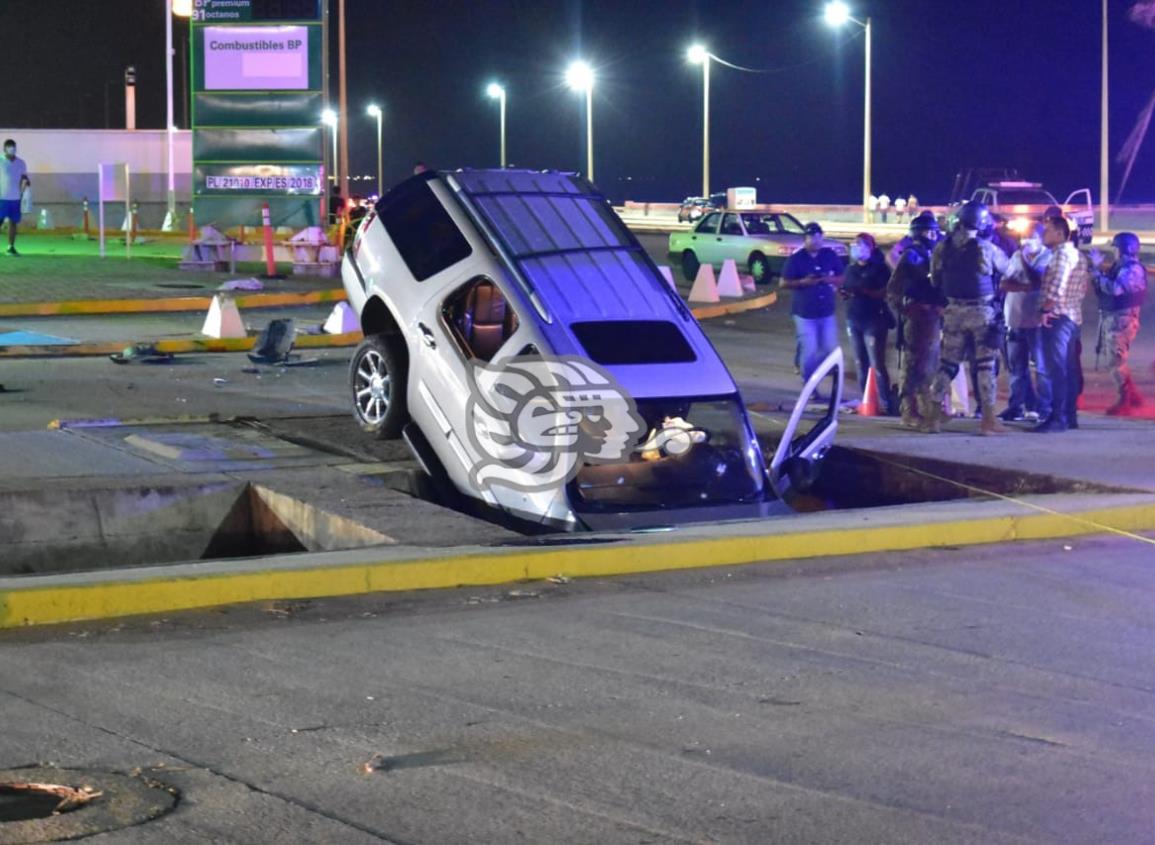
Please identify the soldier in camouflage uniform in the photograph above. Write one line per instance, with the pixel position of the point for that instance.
(1121, 290)
(962, 269)
(911, 295)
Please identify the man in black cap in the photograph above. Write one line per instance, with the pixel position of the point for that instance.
(813, 273)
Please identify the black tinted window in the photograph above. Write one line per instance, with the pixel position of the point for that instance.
(421, 229)
(634, 342)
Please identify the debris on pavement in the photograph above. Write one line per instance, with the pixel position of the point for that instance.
(141, 353)
(220, 381)
(242, 284)
(523, 594)
(70, 797)
(559, 579)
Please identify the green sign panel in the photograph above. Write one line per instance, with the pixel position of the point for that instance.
(257, 77)
(248, 11)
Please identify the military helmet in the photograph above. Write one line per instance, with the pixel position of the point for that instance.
(1127, 243)
(975, 215)
(923, 224)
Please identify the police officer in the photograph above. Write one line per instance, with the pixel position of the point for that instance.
(911, 295)
(1121, 290)
(963, 269)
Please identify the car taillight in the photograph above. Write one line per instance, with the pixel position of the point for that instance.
(785, 250)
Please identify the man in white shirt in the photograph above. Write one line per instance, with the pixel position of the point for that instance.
(1022, 285)
(13, 181)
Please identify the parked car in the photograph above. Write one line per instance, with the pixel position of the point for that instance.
(466, 281)
(759, 241)
(694, 207)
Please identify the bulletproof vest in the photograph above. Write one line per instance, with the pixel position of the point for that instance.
(917, 286)
(1132, 298)
(966, 273)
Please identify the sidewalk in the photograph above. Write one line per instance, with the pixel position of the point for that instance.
(63, 269)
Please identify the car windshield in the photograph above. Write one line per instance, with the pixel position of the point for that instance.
(695, 452)
(1026, 198)
(761, 223)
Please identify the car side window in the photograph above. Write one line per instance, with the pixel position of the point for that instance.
(479, 318)
(709, 223)
(421, 229)
(731, 225)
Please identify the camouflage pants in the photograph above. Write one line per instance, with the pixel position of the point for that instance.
(921, 331)
(969, 332)
(1117, 332)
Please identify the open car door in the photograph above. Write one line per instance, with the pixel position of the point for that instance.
(1079, 206)
(798, 453)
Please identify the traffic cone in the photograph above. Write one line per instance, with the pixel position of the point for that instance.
(728, 282)
(224, 319)
(705, 289)
(748, 284)
(668, 275)
(342, 320)
(868, 407)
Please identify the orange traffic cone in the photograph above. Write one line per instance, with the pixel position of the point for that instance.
(869, 405)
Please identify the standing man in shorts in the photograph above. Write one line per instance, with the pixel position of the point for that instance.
(13, 180)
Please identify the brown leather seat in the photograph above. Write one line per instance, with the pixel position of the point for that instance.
(485, 320)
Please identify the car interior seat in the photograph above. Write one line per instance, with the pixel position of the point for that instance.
(488, 321)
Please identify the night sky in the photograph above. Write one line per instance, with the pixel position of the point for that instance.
(956, 84)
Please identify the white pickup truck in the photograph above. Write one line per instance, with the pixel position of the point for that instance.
(1023, 203)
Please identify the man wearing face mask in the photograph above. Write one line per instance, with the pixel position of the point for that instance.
(1121, 290)
(813, 273)
(963, 268)
(911, 294)
(1022, 287)
(13, 181)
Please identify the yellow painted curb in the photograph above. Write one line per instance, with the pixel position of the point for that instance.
(706, 312)
(176, 347)
(165, 305)
(112, 595)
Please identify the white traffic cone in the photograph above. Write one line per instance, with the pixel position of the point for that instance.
(224, 319)
(705, 289)
(343, 320)
(748, 285)
(728, 283)
(668, 275)
(169, 224)
(45, 222)
(958, 400)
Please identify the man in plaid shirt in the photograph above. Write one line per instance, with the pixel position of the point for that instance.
(1064, 288)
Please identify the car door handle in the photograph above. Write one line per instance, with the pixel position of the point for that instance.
(427, 336)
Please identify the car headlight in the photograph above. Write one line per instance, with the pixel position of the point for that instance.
(1019, 225)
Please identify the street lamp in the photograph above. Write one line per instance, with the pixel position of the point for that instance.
(375, 111)
(329, 118)
(580, 77)
(181, 9)
(837, 14)
(497, 92)
(699, 55)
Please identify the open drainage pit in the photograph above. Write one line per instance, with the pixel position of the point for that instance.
(857, 478)
(49, 804)
(70, 530)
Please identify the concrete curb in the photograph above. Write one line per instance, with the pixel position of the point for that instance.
(166, 305)
(708, 312)
(43, 600)
(203, 345)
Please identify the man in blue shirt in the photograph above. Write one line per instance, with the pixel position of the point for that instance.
(813, 273)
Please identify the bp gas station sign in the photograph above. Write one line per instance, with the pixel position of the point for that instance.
(257, 97)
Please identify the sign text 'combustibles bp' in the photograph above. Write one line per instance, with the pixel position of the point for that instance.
(256, 58)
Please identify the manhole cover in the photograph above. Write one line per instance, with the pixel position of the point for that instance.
(51, 805)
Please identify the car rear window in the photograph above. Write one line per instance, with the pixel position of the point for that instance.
(421, 229)
(634, 342)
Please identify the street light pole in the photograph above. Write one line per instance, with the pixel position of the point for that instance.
(375, 111)
(497, 92)
(866, 135)
(342, 166)
(1104, 153)
(170, 218)
(580, 77)
(837, 13)
(700, 55)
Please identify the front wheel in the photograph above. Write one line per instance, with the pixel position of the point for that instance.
(690, 265)
(759, 267)
(377, 380)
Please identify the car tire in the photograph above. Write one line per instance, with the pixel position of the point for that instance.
(377, 383)
(759, 267)
(690, 265)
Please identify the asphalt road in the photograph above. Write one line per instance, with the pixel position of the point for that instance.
(988, 696)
